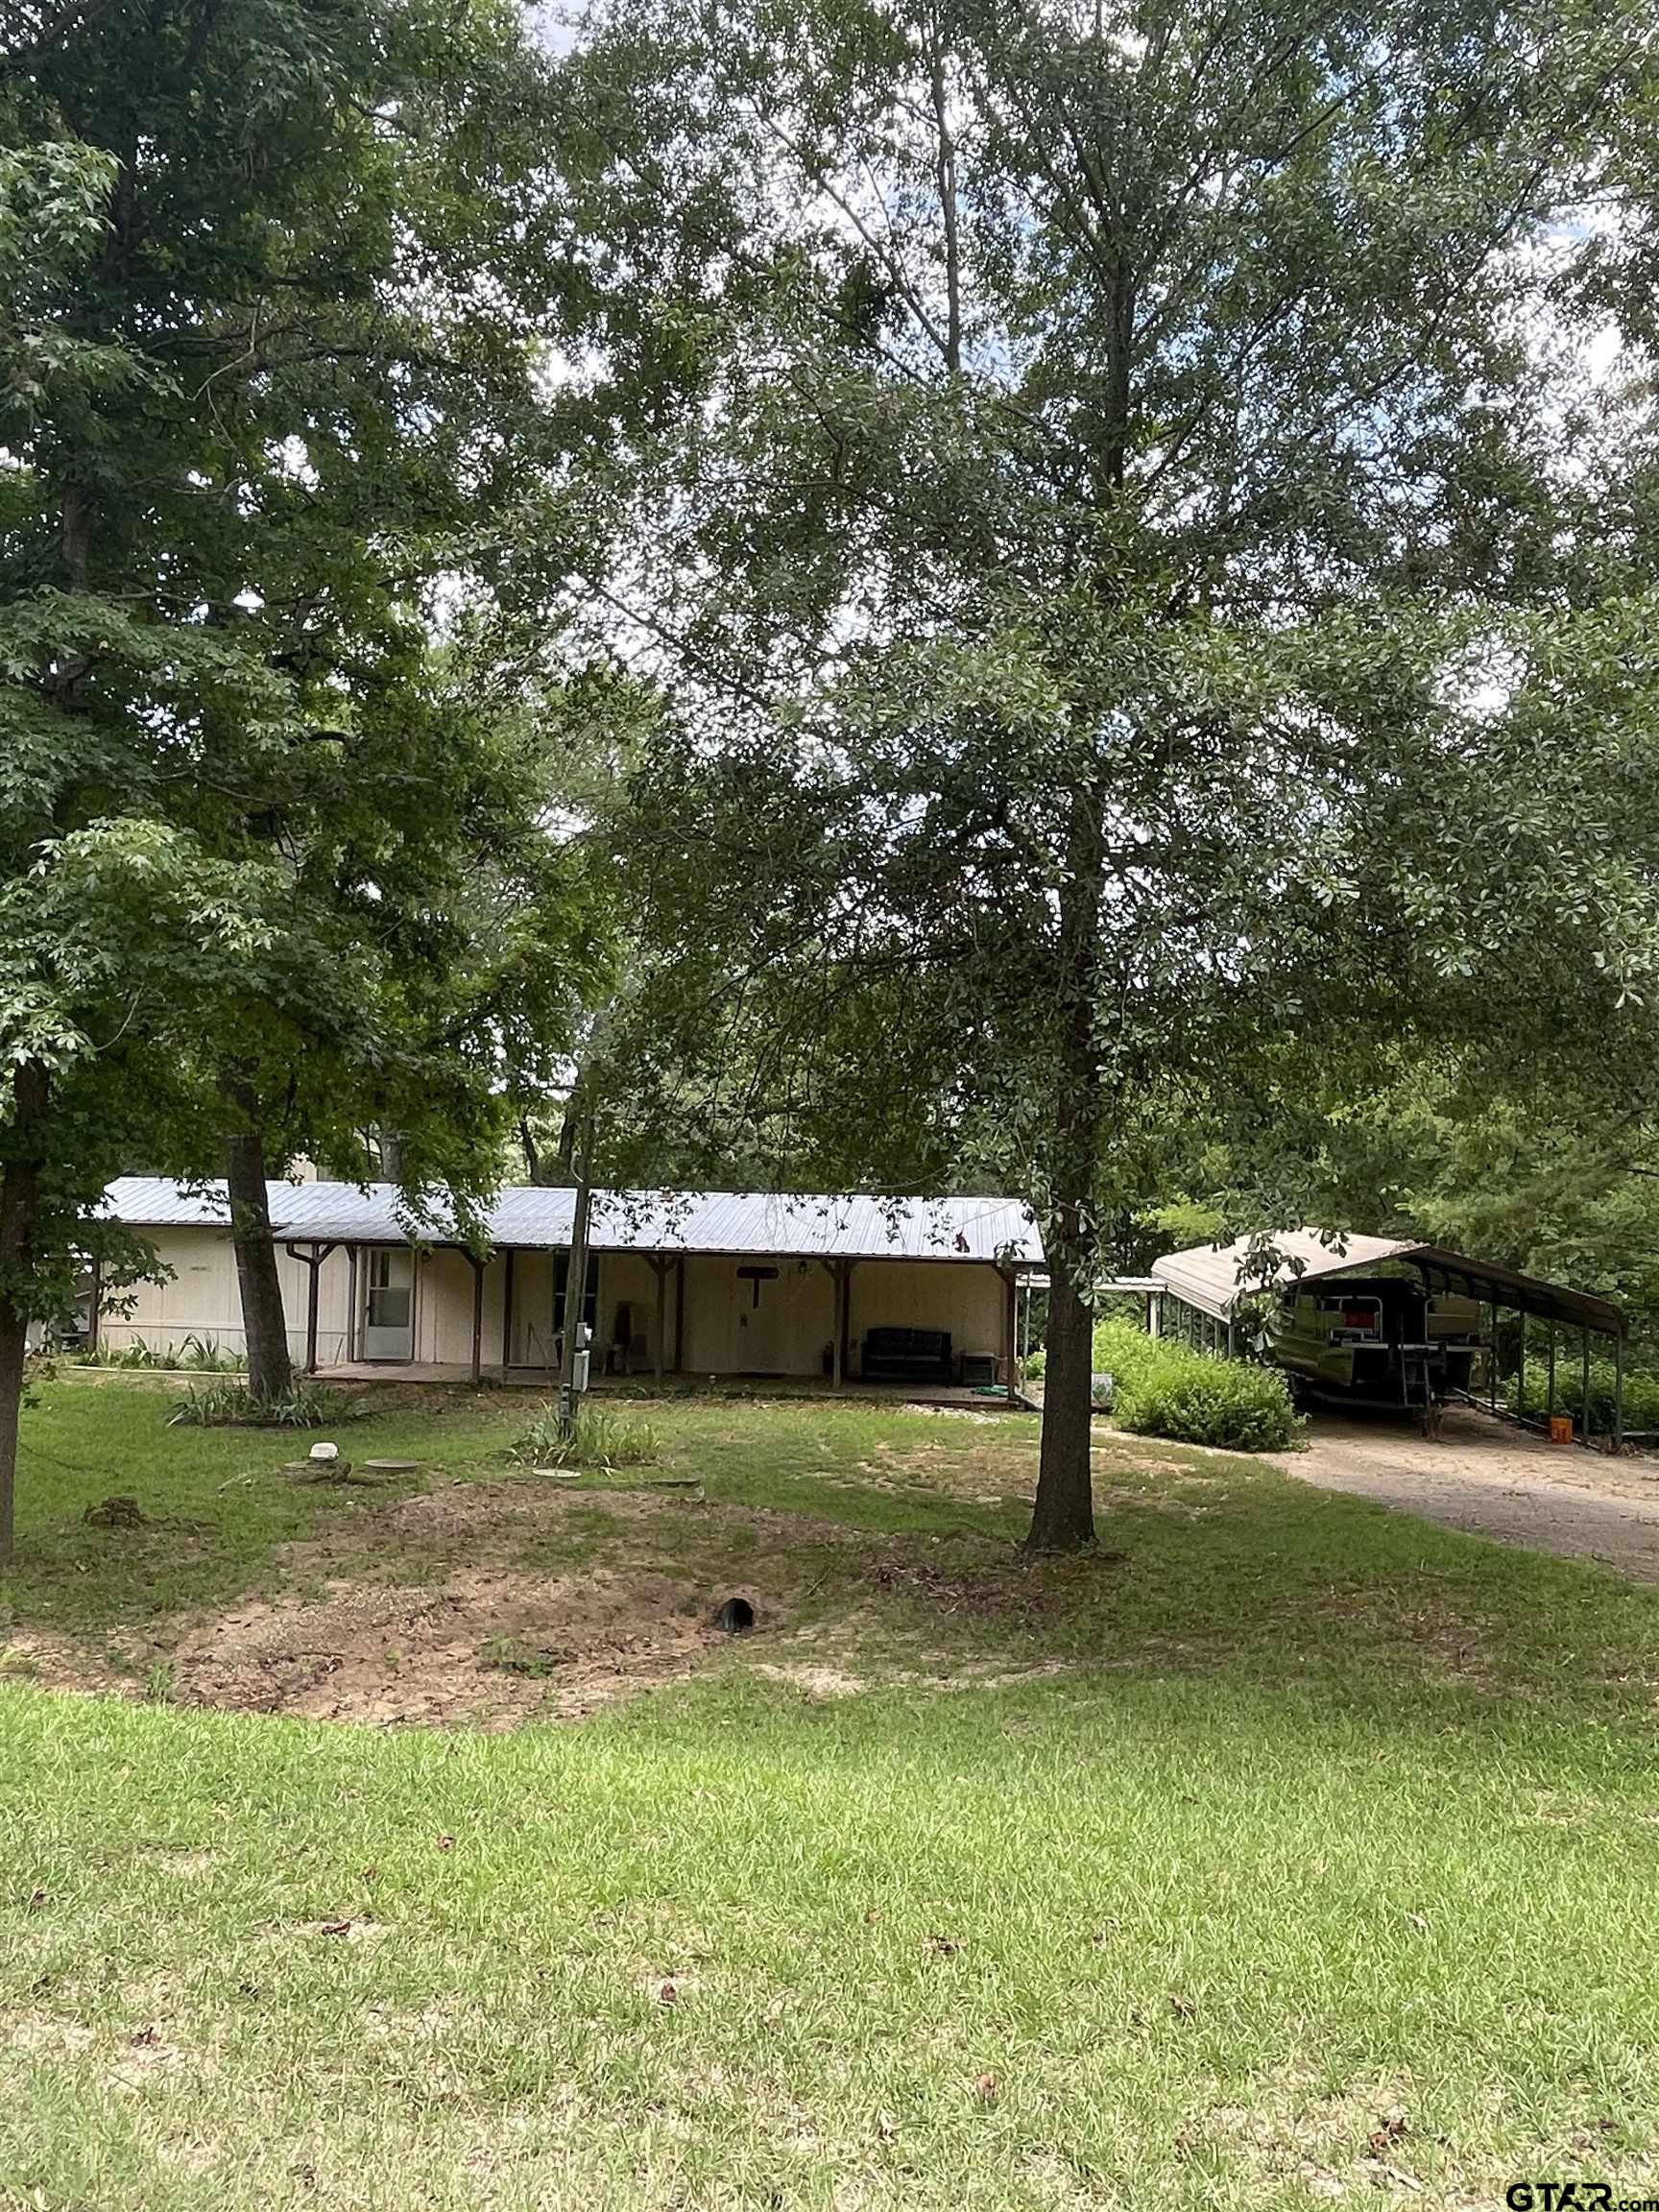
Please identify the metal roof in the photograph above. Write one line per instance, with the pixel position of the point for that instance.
(529, 1217)
(1208, 1275)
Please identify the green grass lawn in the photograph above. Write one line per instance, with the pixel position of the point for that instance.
(1292, 1851)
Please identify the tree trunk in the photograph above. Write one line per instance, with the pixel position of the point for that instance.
(20, 1206)
(264, 1324)
(1063, 1518)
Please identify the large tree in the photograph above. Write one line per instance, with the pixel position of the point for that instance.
(275, 282)
(1110, 587)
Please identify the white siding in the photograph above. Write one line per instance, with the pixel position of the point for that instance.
(783, 1325)
(202, 1298)
(970, 1301)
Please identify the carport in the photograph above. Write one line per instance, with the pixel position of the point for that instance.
(1204, 1288)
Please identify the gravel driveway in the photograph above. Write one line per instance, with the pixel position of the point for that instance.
(1494, 1480)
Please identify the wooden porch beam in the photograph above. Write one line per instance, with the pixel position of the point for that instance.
(680, 1314)
(507, 1314)
(659, 1268)
(313, 1261)
(477, 1266)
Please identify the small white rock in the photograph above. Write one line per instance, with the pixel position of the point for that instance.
(324, 1450)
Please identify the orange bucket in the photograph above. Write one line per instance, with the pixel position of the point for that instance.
(1560, 1428)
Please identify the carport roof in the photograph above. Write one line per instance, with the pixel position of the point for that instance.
(1208, 1275)
(529, 1217)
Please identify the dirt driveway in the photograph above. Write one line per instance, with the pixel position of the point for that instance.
(1494, 1480)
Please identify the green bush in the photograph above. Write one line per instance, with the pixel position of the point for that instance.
(228, 1404)
(1166, 1390)
(196, 1356)
(600, 1440)
(1641, 1392)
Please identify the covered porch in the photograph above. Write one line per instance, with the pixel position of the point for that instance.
(941, 1329)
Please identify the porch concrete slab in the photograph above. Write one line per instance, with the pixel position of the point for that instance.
(456, 1374)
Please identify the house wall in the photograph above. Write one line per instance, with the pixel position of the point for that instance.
(738, 1326)
(202, 1298)
(968, 1299)
(782, 1324)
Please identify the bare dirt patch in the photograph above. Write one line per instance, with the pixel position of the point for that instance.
(487, 1646)
(486, 1604)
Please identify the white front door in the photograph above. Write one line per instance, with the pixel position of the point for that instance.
(389, 1303)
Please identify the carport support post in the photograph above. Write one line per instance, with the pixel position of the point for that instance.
(1584, 1402)
(507, 1314)
(1492, 1378)
(95, 1303)
(1619, 1391)
(679, 1312)
(1010, 1342)
(1550, 1384)
(1521, 1366)
(477, 1318)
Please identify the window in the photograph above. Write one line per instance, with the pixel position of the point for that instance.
(590, 1295)
(389, 1289)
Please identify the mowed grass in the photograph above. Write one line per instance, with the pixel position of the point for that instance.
(1298, 1852)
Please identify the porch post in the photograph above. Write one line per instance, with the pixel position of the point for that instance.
(507, 1314)
(1010, 1346)
(679, 1313)
(95, 1303)
(1619, 1391)
(477, 1267)
(351, 1303)
(844, 1332)
(1549, 1385)
(659, 1268)
(312, 1262)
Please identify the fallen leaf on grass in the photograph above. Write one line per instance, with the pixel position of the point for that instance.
(1183, 2007)
(445, 1842)
(985, 2089)
(334, 1928)
(943, 1947)
(669, 1993)
(1391, 2126)
(886, 2128)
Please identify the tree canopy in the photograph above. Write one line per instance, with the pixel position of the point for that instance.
(1131, 582)
(276, 786)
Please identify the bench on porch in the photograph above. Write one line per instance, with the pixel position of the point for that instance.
(908, 1356)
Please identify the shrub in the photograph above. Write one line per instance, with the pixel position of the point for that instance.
(600, 1440)
(1169, 1389)
(1641, 1392)
(228, 1404)
(196, 1356)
